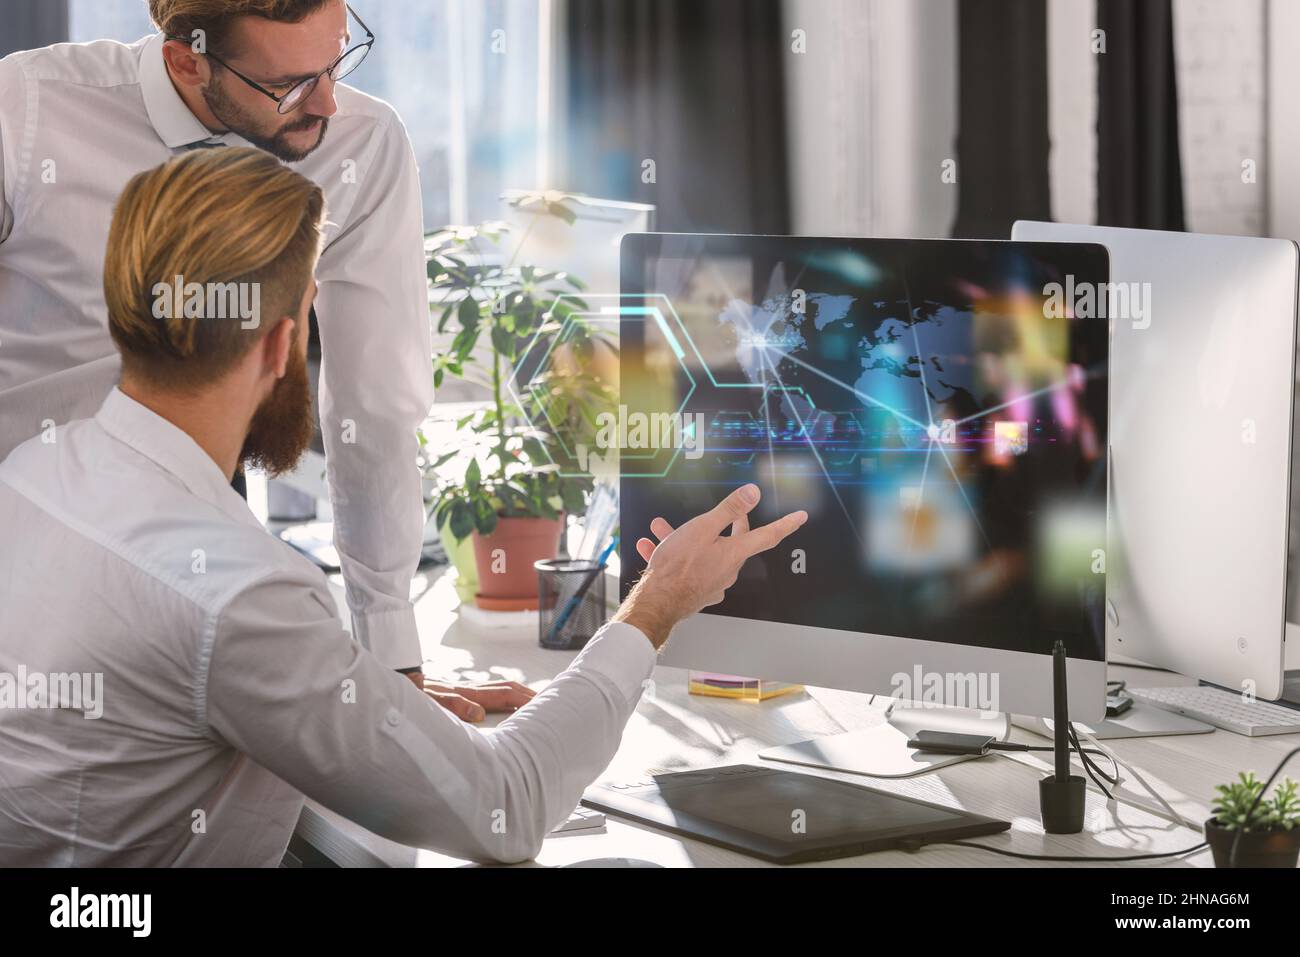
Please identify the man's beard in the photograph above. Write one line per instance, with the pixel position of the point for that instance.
(235, 119)
(283, 424)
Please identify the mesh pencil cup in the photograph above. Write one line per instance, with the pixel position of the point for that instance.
(572, 602)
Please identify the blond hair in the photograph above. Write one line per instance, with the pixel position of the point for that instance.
(213, 218)
(180, 18)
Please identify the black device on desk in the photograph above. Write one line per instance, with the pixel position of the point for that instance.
(783, 816)
(1061, 794)
(1117, 704)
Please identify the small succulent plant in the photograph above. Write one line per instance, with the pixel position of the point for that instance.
(1233, 806)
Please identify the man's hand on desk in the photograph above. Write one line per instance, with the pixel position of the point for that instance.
(692, 567)
(473, 702)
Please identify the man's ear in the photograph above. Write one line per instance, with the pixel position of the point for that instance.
(185, 66)
(278, 345)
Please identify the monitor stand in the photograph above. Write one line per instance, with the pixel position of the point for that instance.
(882, 751)
(1139, 721)
(1290, 690)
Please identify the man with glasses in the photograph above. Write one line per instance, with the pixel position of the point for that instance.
(78, 121)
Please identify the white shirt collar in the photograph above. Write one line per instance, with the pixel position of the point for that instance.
(175, 124)
(173, 450)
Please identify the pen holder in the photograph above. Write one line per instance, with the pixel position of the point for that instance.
(572, 602)
(1061, 804)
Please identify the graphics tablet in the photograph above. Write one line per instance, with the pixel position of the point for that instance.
(783, 816)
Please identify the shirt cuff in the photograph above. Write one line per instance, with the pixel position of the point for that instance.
(622, 654)
(391, 636)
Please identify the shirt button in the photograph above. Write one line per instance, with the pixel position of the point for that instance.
(394, 717)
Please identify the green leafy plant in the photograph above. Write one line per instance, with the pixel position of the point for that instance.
(513, 471)
(1232, 808)
(574, 399)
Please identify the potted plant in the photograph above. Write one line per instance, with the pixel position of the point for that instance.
(512, 497)
(1266, 833)
(459, 551)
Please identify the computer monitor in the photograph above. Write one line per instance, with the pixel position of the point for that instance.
(939, 409)
(1202, 381)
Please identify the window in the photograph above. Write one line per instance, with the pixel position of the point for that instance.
(124, 20)
(470, 79)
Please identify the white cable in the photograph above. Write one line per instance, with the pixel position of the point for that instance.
(1173, 815)
(1030, 760)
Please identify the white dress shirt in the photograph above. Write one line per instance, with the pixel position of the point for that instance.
(230, 687)
(79, 120)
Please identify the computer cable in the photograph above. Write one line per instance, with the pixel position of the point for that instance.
(1097, 774)
(1136, 667)
(1232, 854)
(1076, 857)
(1012, 746)
(1090, 768)
(1170, 813)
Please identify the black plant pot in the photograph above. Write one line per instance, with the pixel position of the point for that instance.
(1255, 848)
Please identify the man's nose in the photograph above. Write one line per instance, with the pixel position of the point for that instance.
(321, 102)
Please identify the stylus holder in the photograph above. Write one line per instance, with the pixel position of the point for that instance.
(1061, 804)
(571, 600)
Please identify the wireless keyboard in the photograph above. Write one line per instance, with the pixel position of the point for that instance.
(1223, 709)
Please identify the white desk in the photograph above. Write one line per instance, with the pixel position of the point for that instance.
(673, 730)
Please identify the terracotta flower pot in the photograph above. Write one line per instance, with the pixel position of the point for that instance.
(1255, 848)
(507, 580)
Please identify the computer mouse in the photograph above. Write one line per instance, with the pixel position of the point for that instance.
(613, 862)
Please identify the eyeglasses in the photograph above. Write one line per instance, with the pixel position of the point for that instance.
(298, 94)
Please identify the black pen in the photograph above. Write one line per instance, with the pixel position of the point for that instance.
(1062, 712)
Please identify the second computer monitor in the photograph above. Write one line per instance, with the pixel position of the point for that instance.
(939, 408)
(1202, 378)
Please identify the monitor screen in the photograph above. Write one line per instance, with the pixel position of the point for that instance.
(939, 408)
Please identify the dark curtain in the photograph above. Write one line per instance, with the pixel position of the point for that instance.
(1002, 135)
(27, 24)
(698, 86)
(1139, 172)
